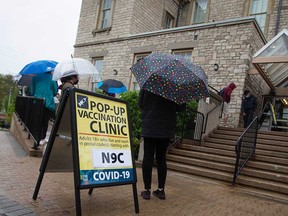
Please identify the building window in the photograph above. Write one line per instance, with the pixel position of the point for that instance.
(259, 11)
(199, 11)
(169, 21)
(187, 54)
(105, 15)
(137, 57)
(96, 78)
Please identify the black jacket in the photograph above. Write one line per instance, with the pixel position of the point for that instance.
(249, 104)
(158, 115)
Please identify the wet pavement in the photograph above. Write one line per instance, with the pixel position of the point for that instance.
(186, 195)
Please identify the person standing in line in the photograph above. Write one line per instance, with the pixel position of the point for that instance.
(249, 106)
(69, 79)
(158, 127)
(226, 99)
(42, 86)
(110, 94)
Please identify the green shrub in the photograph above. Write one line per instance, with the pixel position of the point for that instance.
(186, 117)
(135, 118)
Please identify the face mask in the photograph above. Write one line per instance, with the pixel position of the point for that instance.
(76, 82)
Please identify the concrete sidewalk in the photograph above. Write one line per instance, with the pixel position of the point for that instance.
(186, 195)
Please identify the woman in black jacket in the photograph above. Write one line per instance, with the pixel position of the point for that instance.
(158, 126)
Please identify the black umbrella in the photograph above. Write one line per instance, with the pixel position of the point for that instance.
(112, 86)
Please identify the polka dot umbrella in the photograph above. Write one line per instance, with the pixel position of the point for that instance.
(172, 77)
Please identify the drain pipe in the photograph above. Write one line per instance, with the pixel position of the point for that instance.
(180, 6)
(178, 13)
(278, 17)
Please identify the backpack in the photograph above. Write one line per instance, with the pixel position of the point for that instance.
(221, 92)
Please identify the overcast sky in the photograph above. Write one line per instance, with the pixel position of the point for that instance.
(32, 30)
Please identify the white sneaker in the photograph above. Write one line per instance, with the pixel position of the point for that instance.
(42, 142)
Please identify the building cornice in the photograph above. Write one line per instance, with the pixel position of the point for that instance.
(227, 22)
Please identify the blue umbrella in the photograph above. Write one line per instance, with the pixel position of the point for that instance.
(38, 67)
(25, 80)
(112, 86)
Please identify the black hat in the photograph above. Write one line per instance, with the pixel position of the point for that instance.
(246, 92)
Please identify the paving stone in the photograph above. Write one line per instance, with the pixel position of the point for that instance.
(186, 195)
(12, 208)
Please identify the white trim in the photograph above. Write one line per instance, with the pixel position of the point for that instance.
(202, 26)
(284, 31)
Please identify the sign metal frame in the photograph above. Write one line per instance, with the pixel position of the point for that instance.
(71, 95)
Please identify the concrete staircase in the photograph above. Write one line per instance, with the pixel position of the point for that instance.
(22, 136)
(215, 158)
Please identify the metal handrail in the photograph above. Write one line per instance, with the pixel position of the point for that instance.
(198, 115)
(268, 106)
(29, 110)
(220, 104)
(243, 156)
(184, 132)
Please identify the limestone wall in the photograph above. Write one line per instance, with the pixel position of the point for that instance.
(139, 16)
(230, 46)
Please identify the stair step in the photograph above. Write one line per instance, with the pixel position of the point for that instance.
(241, 130)
(219, 140)
(215, 165)
(201, 155)
(228, 132)
(226, 137)
(264, 164)
(262, 184)
(252, 172)
(224, 176)
(200, 171)
(225, 150)
(202, 163)
(219, 146)
(260, 140)
(215, 157)
(207, 150)
(273, 148)
(273, 137)
(272, 142)
(272, 153)
(269, 159)
(260, 149)
(230, 145)
(230, 129)
(273, 133)
(267, 166)
(263, 174)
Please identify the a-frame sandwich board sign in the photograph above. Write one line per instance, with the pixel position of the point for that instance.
(101, 142)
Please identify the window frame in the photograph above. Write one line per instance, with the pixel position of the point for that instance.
(95, 81)
(183, 51)
(134, 83)
(255, 14)
(100, 17)
(171, 20)
(193, 12)
(247, 12)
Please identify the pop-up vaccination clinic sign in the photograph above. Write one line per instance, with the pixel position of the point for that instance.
(103, 136)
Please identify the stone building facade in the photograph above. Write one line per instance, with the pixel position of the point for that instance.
(227, 36)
